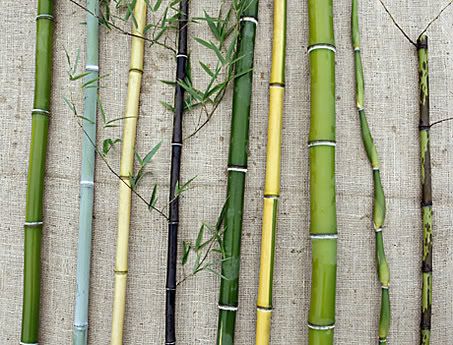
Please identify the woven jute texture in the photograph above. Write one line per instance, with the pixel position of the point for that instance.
(392, 106)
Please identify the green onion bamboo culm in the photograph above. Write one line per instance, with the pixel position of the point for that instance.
(35, 185)
(237, 168)
(379, 199)
(426, 202)
(323, 223)
(176, 149)
(80, 329)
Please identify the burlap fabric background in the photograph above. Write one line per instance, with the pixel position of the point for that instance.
(391, 98)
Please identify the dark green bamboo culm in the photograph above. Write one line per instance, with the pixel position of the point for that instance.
(323, 220)
(80, 328)
(176, 149)
(237, 168)
(36, 170)
(379, 198)
(426, 202)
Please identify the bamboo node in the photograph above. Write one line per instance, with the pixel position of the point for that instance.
(41, 111)
(320, 328)
(375, 168)
(22, 343)
(382, 340)
(249, 19)
(136, 70)
(227, 307)
(277, 85)
(357, 49)
(176, 144)
(271, 196)
(238, 169)
(181, 56)
(83, 326)
(321, 46)
(265, 309)
(88, 183)
(323, 236)
(170, 343)
(322, 143)
(92, 68)
(45, 16)
(378, 230)
(33, 224)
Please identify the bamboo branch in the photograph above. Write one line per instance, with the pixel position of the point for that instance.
(379, 207)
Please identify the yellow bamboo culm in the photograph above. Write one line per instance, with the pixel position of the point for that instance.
(272, 182)
(126, 170)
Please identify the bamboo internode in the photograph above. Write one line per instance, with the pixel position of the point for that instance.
(379, 207)
(323, 223)
(176, 149)
(126, 170)
(426, 202)
(80, 329)
(35, 184)
(237, 168)
(272, 181)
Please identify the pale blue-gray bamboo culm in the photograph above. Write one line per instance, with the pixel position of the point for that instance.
(80, 332)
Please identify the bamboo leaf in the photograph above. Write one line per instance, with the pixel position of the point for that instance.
(78, 76)
(153, 200)
(184, 187)
(101, 109)
(199, 237)
(207, 69)
(186, 251)
(157, 5)
(168, 82)
(107, 144)
(139, 159)
(168, 106)
(151, 154)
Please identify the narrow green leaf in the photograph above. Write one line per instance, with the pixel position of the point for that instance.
(186, 252)
(151, 154)
(153, 200)
(199, 238)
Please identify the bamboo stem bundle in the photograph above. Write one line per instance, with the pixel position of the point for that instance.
(237, 168)
(36, 170)
(323, 224)
(176, 149)
(379, 198)
(272, 181)
(80, 329)
(126, 170)
(427, 202)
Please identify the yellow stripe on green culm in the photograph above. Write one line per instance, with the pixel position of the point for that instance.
(36, 169)
(272, 182)
(427, 201)
(323, 223)
(379, 199)
(127, 169)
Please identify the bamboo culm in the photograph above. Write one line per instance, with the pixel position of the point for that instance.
(126, 170)
(80, 329)
(379, 198)
(36, 170)
(426, 202)
(176, 149)
(272, 181)
(323, 223)
(237, 168)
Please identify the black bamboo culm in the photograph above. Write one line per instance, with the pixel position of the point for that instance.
(176, 148)
(427, 201)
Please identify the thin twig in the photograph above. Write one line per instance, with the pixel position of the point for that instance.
(436, 17)
(124, 32)
(397, 25)
(118, 176)
(440, 121)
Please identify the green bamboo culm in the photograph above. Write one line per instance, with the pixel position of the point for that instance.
(323, 223)
(379, 199)
(426, 202)
(80, 328)
(36, 171)
(237, 168)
